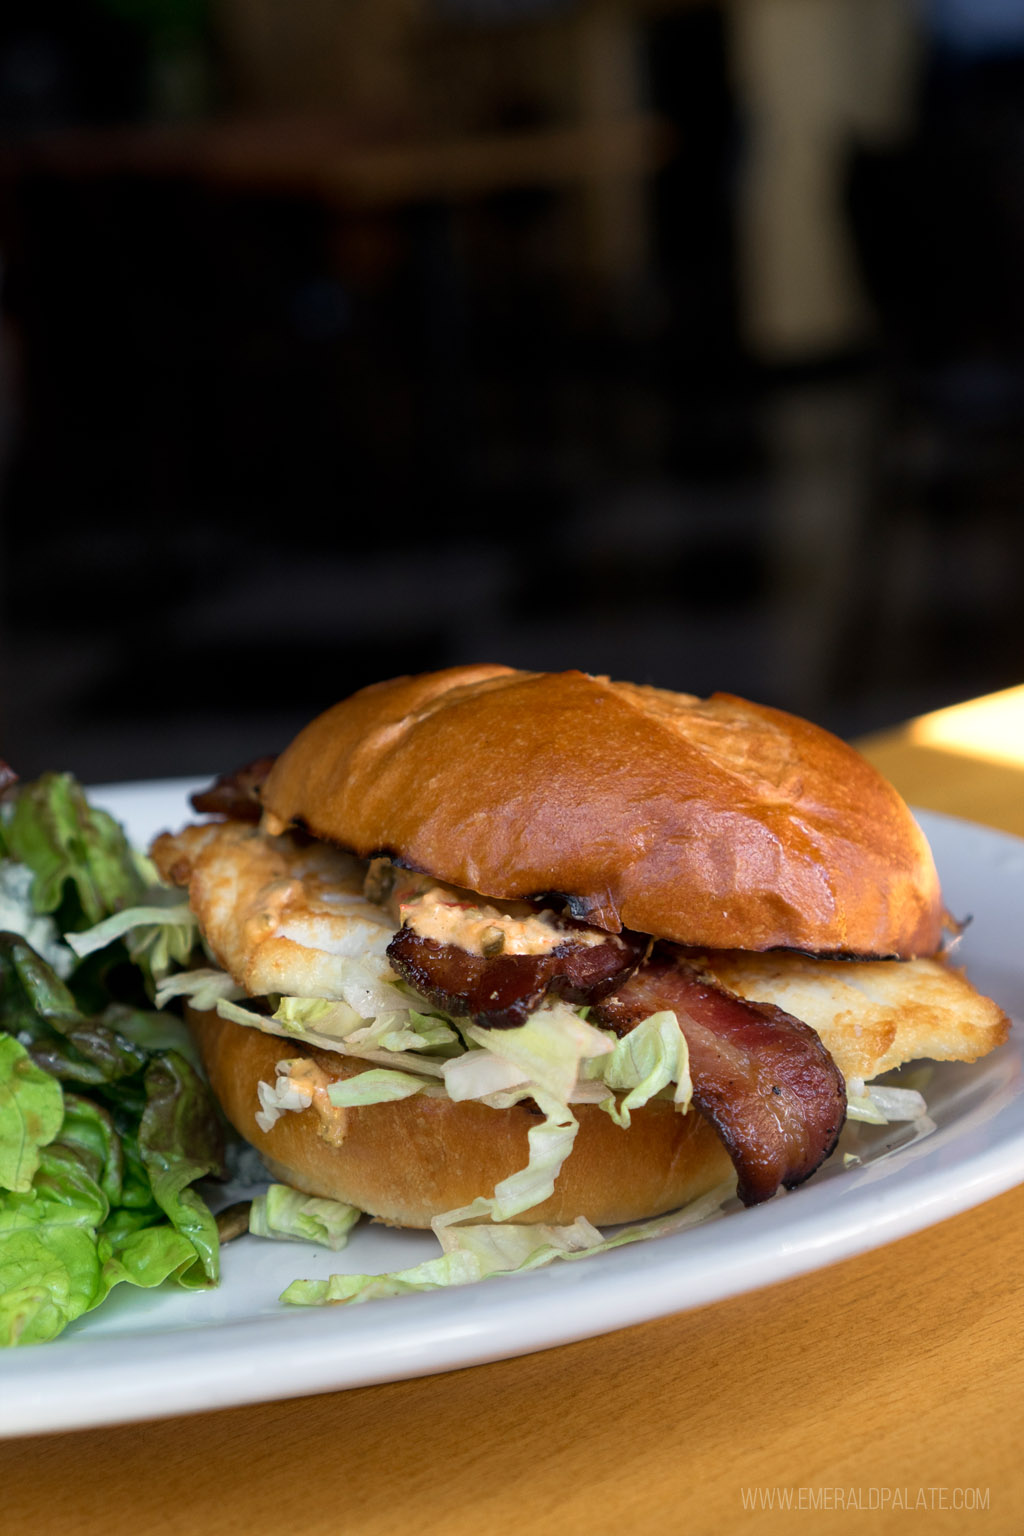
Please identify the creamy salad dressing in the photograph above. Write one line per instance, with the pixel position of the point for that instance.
(479, 928)
(300, 1084)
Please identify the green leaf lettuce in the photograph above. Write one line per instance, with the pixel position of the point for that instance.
(103, 1135)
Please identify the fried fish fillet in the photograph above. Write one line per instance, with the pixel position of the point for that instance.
(277, 913)
(871, 1015)
(281, 913)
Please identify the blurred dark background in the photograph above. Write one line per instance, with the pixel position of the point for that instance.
(341, 338)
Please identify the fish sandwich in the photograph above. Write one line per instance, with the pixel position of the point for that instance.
(533, 947)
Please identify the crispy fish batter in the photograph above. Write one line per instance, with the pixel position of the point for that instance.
(279, 914)
(871, 1014)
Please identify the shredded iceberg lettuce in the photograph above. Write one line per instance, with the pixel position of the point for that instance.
(158, 935)
(881, 1104)
(283, 1094)
(549, 1048)
(479, 1073)
(549, 1140)
(203, 988)
(286, 1213)
(644, 1062)
(555, 1059)
(377, 1086)
(412, 1032)
(897, 1103)
(472, 1253)
(371, 989)
(298, 1013)
(273, 1024)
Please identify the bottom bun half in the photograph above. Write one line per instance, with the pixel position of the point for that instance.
(408, 1161)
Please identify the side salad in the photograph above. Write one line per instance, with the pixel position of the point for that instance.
(105, 1124)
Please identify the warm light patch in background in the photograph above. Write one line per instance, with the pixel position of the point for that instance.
(991, 728)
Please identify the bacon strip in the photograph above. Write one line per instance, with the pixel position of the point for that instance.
(763, 1078)
(236, 795)
(499, 992)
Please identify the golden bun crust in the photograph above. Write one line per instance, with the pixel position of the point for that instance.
(713, 822)
(405, 1162)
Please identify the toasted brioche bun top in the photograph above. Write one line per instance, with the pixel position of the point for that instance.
(710, 822)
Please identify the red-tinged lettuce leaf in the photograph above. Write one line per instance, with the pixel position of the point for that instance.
(88, 1131)
(100, 1176)
(180, 1141)
(35, 1004)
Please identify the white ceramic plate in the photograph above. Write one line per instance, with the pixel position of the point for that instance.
(148, 1354)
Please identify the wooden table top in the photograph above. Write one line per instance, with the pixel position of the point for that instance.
(880, 1394)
